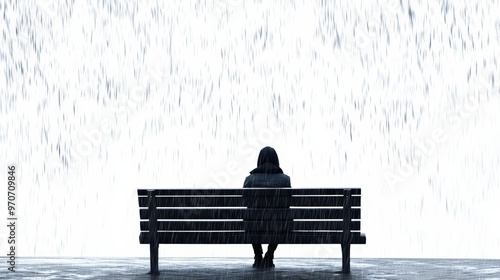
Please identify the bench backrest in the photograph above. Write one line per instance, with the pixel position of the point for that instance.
(205, 210)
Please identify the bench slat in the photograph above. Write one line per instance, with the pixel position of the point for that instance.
(277, 202)
(251, 191)
(251, 214)
(240, 225)
(245, 238)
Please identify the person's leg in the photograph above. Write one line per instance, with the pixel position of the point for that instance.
(268, 258)
(271, 248)
(257, 249)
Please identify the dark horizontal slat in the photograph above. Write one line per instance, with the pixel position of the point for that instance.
(245, 238)
(240, 225)
(315, 201)
(251, 214)
(251, 191)
(259, 202)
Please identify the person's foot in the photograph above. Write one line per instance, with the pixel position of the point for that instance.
(258, 260)
(267, 262)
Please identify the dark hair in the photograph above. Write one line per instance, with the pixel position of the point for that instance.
(268, 155)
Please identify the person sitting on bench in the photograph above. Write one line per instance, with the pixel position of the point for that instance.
(268, 174)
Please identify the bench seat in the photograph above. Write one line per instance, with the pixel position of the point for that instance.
(245, 238)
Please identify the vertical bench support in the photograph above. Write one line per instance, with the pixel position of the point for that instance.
(153, 235)
(346, 237)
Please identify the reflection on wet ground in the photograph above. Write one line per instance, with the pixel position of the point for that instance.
(241, 268)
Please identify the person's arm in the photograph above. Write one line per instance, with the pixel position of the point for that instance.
(246, 183)
(289, 185)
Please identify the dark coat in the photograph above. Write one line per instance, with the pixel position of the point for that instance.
(267, 180)
(268, 174)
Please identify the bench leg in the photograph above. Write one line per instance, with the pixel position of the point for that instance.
(153, 257)
(346, 258)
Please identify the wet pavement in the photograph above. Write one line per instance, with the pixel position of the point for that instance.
(241, 268)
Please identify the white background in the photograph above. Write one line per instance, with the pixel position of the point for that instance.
(99, 99)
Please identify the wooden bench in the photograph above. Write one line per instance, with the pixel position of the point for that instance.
(321, 216)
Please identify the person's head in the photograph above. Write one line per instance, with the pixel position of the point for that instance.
(268, 155)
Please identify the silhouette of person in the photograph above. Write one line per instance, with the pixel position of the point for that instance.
(268, 174)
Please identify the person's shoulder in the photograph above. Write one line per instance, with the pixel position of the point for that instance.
(249, 180)
(283, 175)
(251, 177)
